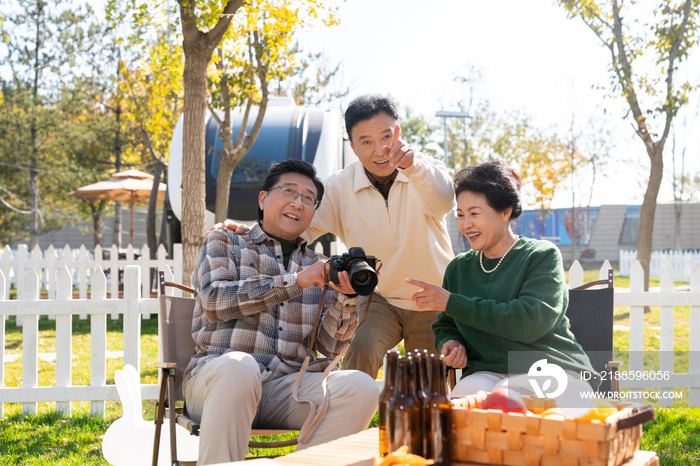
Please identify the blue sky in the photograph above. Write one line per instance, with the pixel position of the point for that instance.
(533, 58)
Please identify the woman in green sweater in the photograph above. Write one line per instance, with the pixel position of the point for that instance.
(507, 295)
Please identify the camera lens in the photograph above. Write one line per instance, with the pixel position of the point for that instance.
(363, 278)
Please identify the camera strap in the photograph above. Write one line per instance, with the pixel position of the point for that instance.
(316, 414)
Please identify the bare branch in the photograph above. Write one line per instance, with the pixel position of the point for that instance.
(191, 32)
(144, 134)
(625, 76)
(217, 33)
(147, 143)
(671, 59)
(244, 126)
(244, 123)
(599, 18)
(213, 113)
(262, 76)
(599, 36)
(225, 95)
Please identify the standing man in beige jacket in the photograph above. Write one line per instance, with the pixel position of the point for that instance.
(392, 202)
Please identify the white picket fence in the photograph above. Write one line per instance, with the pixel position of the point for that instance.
(82, 264)
(667, 298)
(133, 305)
(682, 263)
(31, 307)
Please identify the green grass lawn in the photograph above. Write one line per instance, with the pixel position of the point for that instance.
(52, 439)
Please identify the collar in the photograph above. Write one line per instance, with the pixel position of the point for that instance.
(360, 180)
(258, 235)
(376, 181)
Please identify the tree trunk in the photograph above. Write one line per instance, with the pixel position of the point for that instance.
(163, 230)
(543, 216)
(573, 231)
(223, 187)
(646, 218)
(678, 210)
(198, 48)
(151, 216)
(33, 184)
(34, 203)
(117, 229)
(117, 236)
(96, 223)
(193, 157)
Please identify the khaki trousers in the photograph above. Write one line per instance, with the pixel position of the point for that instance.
(384, 328)
(228, 398)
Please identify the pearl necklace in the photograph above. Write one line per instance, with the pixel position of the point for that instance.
(481, 257)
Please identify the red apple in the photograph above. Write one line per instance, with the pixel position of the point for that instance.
(504, 399)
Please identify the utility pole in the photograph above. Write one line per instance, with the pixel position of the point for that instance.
(445, 114)
(573, 192)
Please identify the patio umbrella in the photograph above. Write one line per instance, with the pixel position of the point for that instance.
(130, 185)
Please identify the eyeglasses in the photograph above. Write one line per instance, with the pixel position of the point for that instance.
(291, 194)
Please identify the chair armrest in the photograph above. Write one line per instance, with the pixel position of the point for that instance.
(187, 423)
(184, 288)
(585, 286)
(280, 444)
(165, 365)
(608, 282)
(614, 382)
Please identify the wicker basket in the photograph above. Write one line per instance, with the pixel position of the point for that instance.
(492, 436)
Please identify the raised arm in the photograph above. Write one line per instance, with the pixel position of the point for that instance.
(433, 183)
(428, 175)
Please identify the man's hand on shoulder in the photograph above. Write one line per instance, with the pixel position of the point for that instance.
(230, 225)
(314, 275)
(400, 153)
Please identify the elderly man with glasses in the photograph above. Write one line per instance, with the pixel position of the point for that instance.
(257, 295)
(391, 202)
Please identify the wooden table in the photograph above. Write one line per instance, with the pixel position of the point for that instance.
(360, 450)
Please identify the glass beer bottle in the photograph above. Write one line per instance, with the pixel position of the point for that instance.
(385, 397)
(425, 372)
(425, 362)
(421, 389)
(421, 379)
(437, 415)
(404, 427)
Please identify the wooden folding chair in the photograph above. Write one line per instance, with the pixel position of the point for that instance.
(590, 313)
(178, 346)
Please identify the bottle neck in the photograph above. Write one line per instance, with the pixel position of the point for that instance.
(438, 385)
(405, 378)
(424, 374)
(416, 379)
(390, 374)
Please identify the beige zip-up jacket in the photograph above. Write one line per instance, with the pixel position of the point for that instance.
(407, 232)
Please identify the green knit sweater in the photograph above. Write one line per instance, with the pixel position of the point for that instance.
(520, 307)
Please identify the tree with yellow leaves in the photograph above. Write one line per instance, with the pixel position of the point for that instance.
(545, 166)
(151, 79)
(254, 52)
(205, 25)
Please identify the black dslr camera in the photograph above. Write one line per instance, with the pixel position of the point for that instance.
(360, 268)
